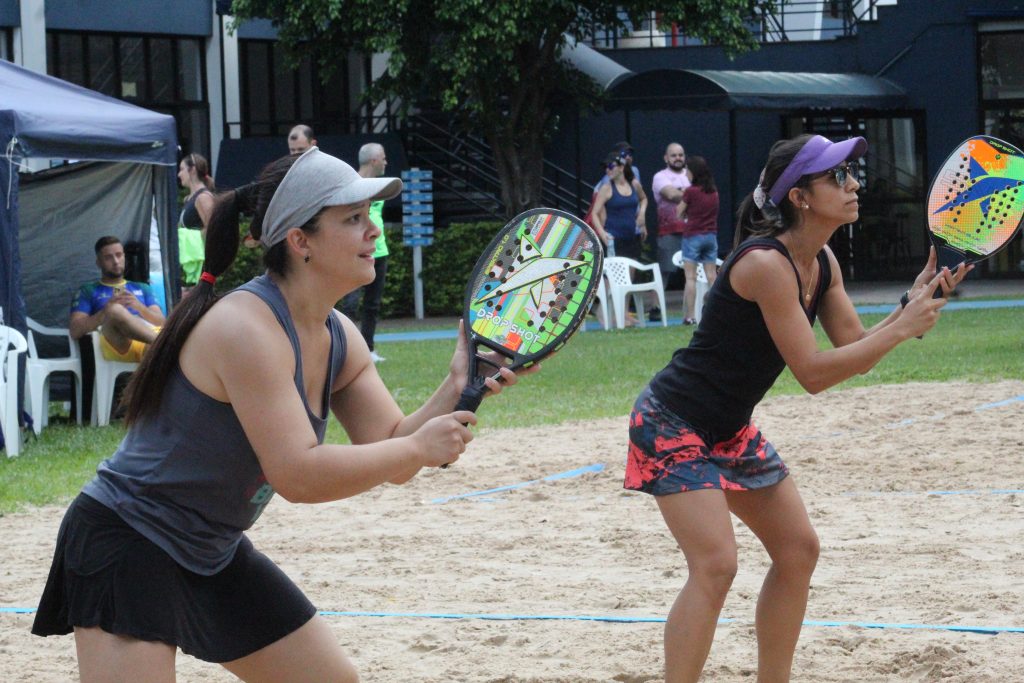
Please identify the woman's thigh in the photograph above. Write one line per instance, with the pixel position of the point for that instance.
(308, 654)
(777, 516)
(105, 658)
(702, 526)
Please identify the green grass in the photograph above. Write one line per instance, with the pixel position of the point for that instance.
(597, 375)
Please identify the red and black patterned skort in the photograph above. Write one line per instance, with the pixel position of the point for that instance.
(667, 455)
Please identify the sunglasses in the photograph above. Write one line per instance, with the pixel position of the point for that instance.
(613, 164)
(842, 172)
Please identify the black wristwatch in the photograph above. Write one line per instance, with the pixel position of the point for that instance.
(905, 299)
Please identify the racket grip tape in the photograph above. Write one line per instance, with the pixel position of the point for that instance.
(470, 400)
(471, 397)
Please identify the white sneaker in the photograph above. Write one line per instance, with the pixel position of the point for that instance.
(376, 358)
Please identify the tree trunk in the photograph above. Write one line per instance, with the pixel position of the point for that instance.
(520, 166)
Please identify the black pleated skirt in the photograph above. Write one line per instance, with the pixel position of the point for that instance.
(106, 574)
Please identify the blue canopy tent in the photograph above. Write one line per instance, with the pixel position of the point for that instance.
(49, 223)
(42, 117)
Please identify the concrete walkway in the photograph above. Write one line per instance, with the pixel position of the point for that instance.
(868, 297)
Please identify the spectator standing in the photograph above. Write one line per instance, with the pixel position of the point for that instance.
(194, 176)
(667, 186)
(699, 211)
(619, 210)
(372, 162)
(300, 138)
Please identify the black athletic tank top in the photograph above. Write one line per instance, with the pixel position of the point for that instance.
(731, 362)
(189, 217)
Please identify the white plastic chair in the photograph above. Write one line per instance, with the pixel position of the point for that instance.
(701, 289)
(12, 344)
(104, 379)
(619, 272)
(601, 301)
(39, 371)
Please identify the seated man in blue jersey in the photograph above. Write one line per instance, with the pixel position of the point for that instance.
(125, 312)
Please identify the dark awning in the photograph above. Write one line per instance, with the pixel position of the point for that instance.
(710, 90)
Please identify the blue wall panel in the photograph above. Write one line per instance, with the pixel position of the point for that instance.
(180, 18)
(10, 13)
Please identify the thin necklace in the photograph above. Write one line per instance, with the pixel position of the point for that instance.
(810, 281)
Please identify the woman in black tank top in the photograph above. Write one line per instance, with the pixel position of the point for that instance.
(194, 175)
(692, 444)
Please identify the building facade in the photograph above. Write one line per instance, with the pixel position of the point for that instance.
(958, 63)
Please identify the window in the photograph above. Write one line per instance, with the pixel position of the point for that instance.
(276, 96)
(888, 242)
(1001, 100)
(160, 73)
(7, 44)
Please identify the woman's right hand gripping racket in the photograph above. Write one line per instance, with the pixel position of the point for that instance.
(976, 201)
(529, 291)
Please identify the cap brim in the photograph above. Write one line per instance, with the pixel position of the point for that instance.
(837, 153)
(366, 189)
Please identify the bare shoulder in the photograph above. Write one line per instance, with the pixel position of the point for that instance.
(760, 272)
(835, 270)
(238, 326)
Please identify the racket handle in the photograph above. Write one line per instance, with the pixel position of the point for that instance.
(471, 397)
(470, 400)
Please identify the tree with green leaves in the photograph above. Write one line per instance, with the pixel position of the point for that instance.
(495, 66)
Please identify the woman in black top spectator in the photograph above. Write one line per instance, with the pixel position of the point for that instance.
(692, 444)
(194, 176)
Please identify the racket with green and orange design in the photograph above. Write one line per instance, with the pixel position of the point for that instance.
(529, 292)
(976, 201)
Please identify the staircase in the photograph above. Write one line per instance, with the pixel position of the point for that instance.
(466, 183)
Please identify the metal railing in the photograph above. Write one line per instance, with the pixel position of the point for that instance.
(469, 161)
(773, 21)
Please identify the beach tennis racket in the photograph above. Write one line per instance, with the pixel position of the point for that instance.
(529, 291)
(976, 201)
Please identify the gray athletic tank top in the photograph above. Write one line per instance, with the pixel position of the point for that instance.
(186, 477)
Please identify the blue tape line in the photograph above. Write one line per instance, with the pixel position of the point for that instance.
(997, 404)
(597, 467)
(952, 306)
(965, 492)
(988, 630)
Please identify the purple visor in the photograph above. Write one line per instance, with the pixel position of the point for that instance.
(817, 155)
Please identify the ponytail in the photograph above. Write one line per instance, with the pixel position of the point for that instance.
(145, 390)
(758, 215)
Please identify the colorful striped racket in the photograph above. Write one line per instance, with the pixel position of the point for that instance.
(529, 291)
(976, 201)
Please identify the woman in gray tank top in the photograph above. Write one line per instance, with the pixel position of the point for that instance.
(229, 407)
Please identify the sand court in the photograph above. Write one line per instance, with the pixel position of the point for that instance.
(527, 561)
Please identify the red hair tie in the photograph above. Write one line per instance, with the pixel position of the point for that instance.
(208, 277)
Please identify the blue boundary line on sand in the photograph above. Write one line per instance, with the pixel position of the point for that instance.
(986, 630)
(593, 325)
(596, 467)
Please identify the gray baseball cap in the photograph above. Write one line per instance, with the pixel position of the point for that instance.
(314, 181)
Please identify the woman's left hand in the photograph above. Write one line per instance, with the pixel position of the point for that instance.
(459, 368)
(949, 280)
